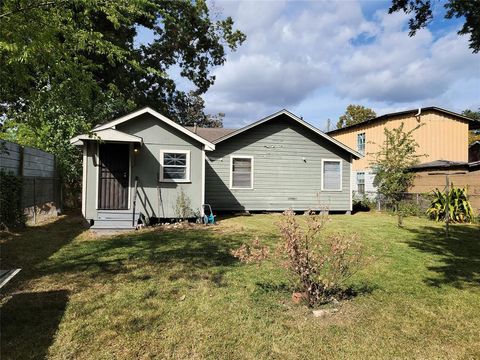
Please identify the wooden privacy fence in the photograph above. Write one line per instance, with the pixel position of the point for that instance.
(36, 170)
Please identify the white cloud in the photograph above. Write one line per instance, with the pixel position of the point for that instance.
(299, 54)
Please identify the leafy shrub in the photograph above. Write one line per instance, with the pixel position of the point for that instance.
(410, 208)
(363, 203)
(458, 206)
(319, 265)
(11, 209)
(183, 208)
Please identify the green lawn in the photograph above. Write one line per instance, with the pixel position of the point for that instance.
(180, 294)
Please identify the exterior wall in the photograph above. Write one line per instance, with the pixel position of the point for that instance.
(443, 137)
(426, 181)
(154, 198)
(282, 178)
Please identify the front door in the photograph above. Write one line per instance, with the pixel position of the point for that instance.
(113, 176)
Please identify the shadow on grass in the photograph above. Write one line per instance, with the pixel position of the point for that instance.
(460, 254)
(196, 254)
(29, 322)
(28, 248)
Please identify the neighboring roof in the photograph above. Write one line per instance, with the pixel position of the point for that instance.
(446, 164)
(210, 134)
(298, 120)
(112, 124)
(439, 164)
(474, 124)
(474, 143)
(106, 135)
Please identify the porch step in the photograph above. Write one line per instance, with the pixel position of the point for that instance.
(116, 215)
(112, 224)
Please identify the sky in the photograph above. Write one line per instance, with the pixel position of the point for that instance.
(316, 57)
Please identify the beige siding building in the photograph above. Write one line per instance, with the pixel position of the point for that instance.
(442, 135)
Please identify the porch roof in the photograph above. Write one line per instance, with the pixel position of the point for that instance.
(106, 135)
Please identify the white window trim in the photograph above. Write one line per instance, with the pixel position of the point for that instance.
(231, 171)
(187, 175)
(341, 174)
(364, 143)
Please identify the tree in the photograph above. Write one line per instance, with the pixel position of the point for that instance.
(68, 65)
(191, 112)
(355, 114)
(474, 115)
(423, 14)
(392, 162)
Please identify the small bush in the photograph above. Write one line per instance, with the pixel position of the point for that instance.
(459, 208)
(11, 209)
(363, 203)
(409, 208)
(319, 265)
(183, 208)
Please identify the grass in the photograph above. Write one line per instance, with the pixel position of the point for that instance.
(180, 294)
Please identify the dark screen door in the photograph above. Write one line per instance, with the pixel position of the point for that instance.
(113, 176)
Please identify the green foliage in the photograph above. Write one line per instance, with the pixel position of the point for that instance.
(69, 65)
(183, 209)
(363, 203)
(459, 208)
(422, 10)
(355, 114)
(11, 209)
(410, 208)
(474, 115)
(391, 163)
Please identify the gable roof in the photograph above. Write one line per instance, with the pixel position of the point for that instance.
(296, 119)
(210, 134)
(473, 124)
(146, 110)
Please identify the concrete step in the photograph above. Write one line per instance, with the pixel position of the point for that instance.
(112, 224)
(116, 215)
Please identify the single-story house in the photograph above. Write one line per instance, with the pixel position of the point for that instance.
(144, 165)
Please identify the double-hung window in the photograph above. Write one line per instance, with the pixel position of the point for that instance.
(175, 165)
(331, 174)
(241, 172)
(361, 143)
(361, 182)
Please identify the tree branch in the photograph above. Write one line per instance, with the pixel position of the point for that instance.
(31, 7)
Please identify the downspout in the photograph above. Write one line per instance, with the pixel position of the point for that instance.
(417, 115)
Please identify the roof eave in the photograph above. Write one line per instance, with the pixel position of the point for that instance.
(147, 110)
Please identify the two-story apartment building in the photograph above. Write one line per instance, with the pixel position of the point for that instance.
(442, 136)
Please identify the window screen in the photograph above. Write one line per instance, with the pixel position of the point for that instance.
(361, 182)
(242, 173)
(361, 143)
(174, 166)
(332, 175)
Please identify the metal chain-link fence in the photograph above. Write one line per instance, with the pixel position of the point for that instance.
(410, 203)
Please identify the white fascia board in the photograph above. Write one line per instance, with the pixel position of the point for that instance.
(112, 124)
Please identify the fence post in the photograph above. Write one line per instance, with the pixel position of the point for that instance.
(34, 200)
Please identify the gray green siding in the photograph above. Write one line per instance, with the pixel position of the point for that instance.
(154, 198)
(287, 170)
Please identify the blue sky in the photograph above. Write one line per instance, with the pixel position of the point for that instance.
(316, 57)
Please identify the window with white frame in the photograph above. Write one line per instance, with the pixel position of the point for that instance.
(241, 172)
(361, 143)
(175, 165)
(361, 182)
(332, 175)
